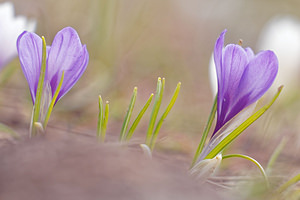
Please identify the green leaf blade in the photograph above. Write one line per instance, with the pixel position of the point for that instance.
(206, 131)
(235, 133)
(165, 114)
(50, 108)
(104, 121)
(138, 118)
(100, 116)
(128, 114)
(156, 106)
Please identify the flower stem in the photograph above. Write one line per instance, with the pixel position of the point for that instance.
(206, 131)
(289, 183)
(39, 91)
(6, 129)
(50, 108)
(255, 162)
(275, 155)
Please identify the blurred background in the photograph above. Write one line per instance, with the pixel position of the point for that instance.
(132, 43)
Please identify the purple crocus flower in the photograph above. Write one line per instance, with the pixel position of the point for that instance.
(242, 78)
(65, 54)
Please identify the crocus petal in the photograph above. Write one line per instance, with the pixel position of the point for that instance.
(69, 55)
(73, 75)
(218, 54)
(29, 46)
(250, 53)
(234, 62)
(233, 66)
(257, 79)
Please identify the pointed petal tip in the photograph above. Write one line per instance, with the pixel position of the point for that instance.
(18, 40)
(27, 36)
(222, 35)
(220, 40)
(21, 35)
(224, 31)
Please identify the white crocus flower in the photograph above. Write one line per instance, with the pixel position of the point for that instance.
(11, 27)
(213, 76)
(282, 35)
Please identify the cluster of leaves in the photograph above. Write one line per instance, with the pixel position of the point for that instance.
(152, 133)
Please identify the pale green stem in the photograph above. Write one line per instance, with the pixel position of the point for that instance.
(39, 90)
(156, 106)
(289, 183)
(100, 117)
(236, 132)
(6, 129)
(255, 162)
(104, 121)
(163, 117)
(206, 131)
(6, 74)
(275, 155)
(49, 111)
(128, 114)
(138, 118)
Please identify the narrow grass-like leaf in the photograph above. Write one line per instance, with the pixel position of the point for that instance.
(6, 74)
(6, 129)
(206, 131)
(100, 116)
(138, 118)
(254, 161)
(104, 121)
(31, 121)
(163, 117)
(236, 132)
(275, 155)
(289, 183)
(128, 114)
(50, 108)
(156, 106)
(39, 90)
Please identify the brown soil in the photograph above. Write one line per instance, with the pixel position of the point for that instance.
(73, 166)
